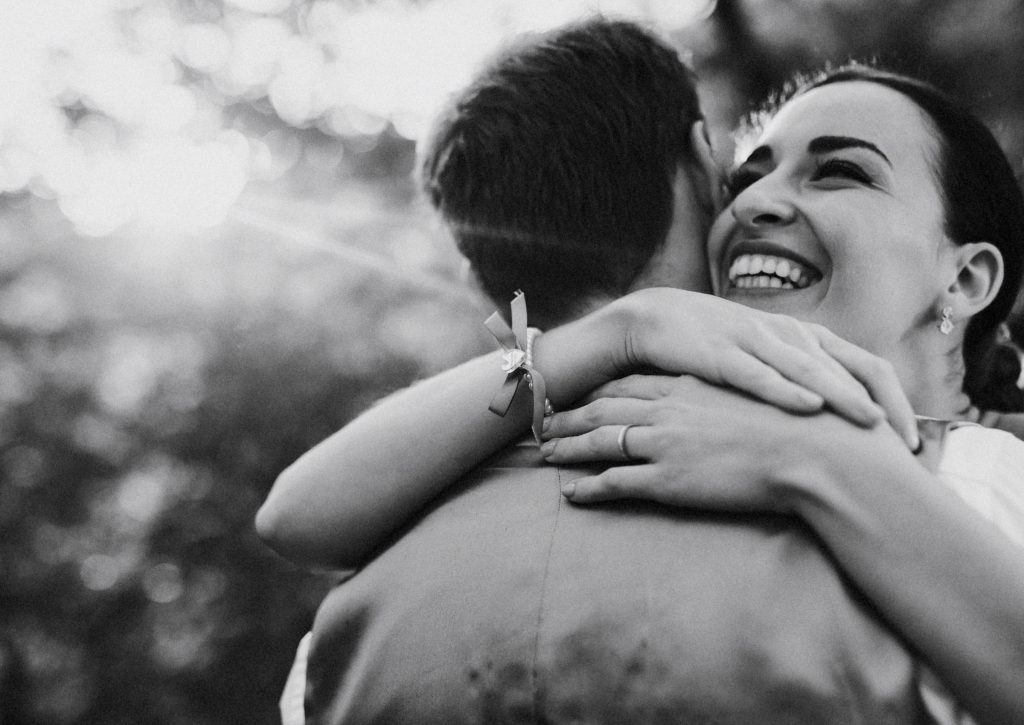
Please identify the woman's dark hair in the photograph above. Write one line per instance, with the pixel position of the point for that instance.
(982, 202)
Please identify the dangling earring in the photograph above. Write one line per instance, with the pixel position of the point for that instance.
(946, 323)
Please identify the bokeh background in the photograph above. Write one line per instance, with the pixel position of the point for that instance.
(212, 254)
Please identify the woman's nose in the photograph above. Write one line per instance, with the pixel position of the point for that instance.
(762, 204)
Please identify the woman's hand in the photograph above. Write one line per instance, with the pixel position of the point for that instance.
(796, 366)
(690, 444)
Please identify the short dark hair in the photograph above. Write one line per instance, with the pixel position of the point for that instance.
(554, 169)
(982, 202)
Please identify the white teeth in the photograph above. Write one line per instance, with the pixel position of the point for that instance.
(763, 271)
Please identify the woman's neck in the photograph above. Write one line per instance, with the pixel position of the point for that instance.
(934, 383)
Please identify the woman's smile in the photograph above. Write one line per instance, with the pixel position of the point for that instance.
(756, 271)
(759, 266)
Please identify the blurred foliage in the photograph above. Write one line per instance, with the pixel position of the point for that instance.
(154, 378)
(147, 405)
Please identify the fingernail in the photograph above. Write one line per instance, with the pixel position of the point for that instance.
(546, 424)
(873, 415)
(547, 448)
(568, 489)
(914, 441)
(812, 399)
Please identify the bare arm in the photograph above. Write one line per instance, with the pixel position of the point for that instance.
(945, 578)
(339, 501)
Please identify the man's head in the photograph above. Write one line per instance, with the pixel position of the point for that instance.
(557, 169)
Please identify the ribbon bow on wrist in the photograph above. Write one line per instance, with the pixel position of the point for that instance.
(517, 363)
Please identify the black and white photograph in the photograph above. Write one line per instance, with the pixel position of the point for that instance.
(511, 362)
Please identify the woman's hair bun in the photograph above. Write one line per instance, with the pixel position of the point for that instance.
(1001, 383)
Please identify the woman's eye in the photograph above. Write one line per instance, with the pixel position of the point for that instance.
(841, 168)
(739, 179)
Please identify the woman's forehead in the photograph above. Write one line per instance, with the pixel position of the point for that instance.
(855, 109)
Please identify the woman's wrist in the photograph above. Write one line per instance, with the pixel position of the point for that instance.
(581, 355)
(649, 324)
(831, 465)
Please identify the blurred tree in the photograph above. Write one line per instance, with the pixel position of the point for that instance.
(970, 49)
(142, 425)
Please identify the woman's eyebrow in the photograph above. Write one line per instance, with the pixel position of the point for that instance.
(824, 144)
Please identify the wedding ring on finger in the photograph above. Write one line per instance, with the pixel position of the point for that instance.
(623, 448)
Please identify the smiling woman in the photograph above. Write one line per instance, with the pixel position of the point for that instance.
(902, 222)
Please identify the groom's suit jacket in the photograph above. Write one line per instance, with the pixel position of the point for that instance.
(505, 603)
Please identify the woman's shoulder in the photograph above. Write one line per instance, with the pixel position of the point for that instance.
(985, 467)
(985, 449)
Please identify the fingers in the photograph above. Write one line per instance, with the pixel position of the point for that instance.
(856, 384)
(750, 374)
(640, 481)
(639, 386)
(840, 390)
(803, 361)
(880, 379)
(600, 444)
(606, 412)
(782, 363)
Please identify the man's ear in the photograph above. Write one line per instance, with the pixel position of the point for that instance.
(979, 277)
(711, 180)
(469, 279)
(466, 275)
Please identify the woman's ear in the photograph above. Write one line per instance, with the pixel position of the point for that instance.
(979, 277)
